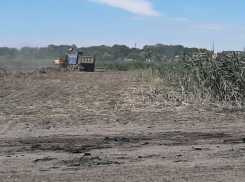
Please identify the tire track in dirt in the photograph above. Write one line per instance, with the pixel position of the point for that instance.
(80, 144)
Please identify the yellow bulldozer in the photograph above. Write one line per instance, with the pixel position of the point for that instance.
(59, 62)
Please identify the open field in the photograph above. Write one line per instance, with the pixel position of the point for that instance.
(113, 126)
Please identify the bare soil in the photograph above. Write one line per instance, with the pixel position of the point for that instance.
(112, 126)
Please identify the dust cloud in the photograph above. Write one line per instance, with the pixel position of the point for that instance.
(27, 65)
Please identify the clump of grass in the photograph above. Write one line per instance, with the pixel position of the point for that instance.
(125, 66)
(166, 69)
(222, 78)
(3, 70)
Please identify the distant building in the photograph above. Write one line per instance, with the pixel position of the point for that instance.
(128, 60)
(226, 54)
(164, 58)
(177, 58)
(149, 60)
(214, 55)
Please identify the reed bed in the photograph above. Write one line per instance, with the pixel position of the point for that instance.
(220, 80)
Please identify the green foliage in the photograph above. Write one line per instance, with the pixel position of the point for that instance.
(8, 52)
(223, 78)
(157, 53)
(168, 71)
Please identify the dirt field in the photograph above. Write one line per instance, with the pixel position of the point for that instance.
(112, 126)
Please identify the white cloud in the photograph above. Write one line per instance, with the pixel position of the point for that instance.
(140, 7)
(161, 19)
(176, 19)
(208, 26)
(141, 18)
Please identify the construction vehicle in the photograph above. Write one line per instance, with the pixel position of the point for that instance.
(74, 59)
(58, 62)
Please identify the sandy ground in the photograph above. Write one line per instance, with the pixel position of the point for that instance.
(112, 126)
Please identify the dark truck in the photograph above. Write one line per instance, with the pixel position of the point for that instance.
(80, 62)
(76, 61)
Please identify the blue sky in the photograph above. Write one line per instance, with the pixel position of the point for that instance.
(192, 23)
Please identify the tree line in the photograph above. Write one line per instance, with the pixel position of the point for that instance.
(158, 52)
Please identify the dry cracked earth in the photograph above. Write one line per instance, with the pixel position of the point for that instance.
(109, 126)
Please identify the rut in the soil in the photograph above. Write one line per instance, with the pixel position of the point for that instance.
(79, 144)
